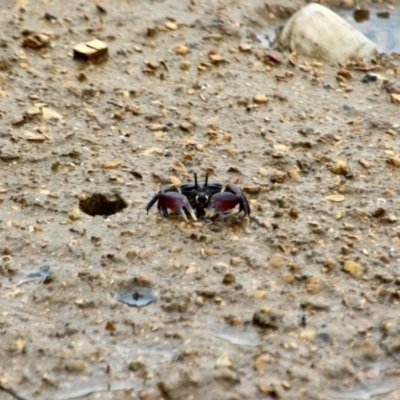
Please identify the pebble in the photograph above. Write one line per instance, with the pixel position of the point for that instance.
(277, 176)
(278, 260)
(267, 318)
(340, 168)
(259, 294)
(288, 277)
(308, 335)
(200, 301)
(245, 47)
(260, 99)
(186, 126)
(253, 189)
(234, 261)
(293, 174)
(171, 25)
(364, 163)
(93, 50)
(228, 279)
(353, 268)
(330, 264)
(312, 285)
(395, 161)
(337, 198)
(182, 50)
(75, 366)
(185, 65)
(220, 267)
(74, 214)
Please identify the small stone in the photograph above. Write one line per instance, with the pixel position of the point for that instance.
(294, 212)
(110, 326)
(395, 98)
(157, 127)
(176, 249)
(132, 253)
(353, 268)
(20, 120)
(278, 260)
(93, 50)
(224, 361)
(395, 161)
(145, 254)
(84, 303)
(244, 47)
(267, 318)
(288, 277)
(274, 56)
(364, 163)
(171, 25)
(200, 301)
(286, 385)
(35, 41)
(182, 50)
(312, 285)
(253, 189)
(340, 168)
(330, 264)
(260, 99)
(33, 111)
(135, 365)
(233, 320)
(185, 65)
(220, 267)
(49, 113)
(191, 269)
(293, 174)
(186, 126)
(32, 137)
(216, 58)
(337, 198)
(277, 176)
(228, 279)
(308, 335)
(75, 366)
(259, 294)
(110, 164)
(74, 214)
(234, 261)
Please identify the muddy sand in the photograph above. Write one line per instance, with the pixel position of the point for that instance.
(298, 301)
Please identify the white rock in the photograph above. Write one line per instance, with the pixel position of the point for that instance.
(317, 32)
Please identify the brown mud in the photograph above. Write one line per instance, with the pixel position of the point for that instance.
(299, 301)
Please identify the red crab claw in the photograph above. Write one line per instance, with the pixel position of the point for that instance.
(174, 201)
(226, 200)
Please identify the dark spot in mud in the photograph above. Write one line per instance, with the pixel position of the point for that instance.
(268, 319)
(325, 337)
(102, 204)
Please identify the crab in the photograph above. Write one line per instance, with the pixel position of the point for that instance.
(200, 200)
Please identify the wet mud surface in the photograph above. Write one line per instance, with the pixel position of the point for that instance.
(298, 301)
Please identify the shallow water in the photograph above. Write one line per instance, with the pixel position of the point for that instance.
(380, 26)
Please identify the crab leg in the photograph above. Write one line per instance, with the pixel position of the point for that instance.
(244, 204)
(176, 202)
(225, 201)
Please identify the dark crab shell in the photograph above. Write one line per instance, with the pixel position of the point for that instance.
(199, 194)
